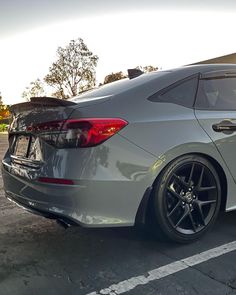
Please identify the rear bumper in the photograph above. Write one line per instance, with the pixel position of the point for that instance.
(109, 183)
(37, 210)
(88, 204)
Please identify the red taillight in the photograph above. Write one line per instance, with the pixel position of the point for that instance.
(79, 132)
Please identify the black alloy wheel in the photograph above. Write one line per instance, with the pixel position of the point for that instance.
(187, 198)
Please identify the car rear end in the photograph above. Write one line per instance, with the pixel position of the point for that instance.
(71, 167)
(29, 152)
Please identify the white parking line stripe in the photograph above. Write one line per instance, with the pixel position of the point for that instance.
(166, 270)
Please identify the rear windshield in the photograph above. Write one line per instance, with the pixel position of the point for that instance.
(117, 87)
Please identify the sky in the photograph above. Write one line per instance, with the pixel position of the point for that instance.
(124, 34)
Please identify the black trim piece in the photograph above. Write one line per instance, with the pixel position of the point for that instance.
(134, 73)
(156, 97)
(40, 102)
(52, 101)
(219, 74)
(219, 77)
(141, 215)
(195, 97)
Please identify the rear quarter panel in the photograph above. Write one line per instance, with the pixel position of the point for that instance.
(169, 131)
(163, 130)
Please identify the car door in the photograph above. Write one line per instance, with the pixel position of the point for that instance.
(215, 109)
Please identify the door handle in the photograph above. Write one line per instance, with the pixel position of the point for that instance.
(224, 126)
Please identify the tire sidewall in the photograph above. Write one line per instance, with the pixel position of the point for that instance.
(160, 204)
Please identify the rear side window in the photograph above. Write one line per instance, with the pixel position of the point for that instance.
(181, 93)
(217, 94)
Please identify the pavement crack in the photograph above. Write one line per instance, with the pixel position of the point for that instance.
(227, 284)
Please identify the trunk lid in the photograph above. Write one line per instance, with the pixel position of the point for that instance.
(38, 110)
(25, 147)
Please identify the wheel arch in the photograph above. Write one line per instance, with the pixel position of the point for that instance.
(142, 215)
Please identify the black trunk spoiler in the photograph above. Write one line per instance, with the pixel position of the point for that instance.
(40, 102)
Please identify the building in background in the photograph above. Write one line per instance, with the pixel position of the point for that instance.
(228, 59)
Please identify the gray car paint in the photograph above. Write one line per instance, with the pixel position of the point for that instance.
(225, 141)
(112, 178)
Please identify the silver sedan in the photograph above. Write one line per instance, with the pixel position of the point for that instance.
(156, 149)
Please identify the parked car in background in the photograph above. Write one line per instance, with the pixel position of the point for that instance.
(158, 148)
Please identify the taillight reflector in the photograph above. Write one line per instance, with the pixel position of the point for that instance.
(56, 180)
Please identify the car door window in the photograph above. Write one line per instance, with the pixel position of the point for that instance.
(182, 93)
(217, 94)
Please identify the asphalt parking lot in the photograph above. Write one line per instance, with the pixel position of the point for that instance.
(37, 256)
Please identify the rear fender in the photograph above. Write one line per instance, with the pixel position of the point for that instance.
(207, 150)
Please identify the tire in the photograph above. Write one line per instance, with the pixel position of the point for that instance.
(186, 199)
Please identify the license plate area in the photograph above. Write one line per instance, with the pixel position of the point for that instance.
(22, 146)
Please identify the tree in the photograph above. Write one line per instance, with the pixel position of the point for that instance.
(120, 75)
(1, 106)
(1, 101)
(147, 69)
(36, 88)
(74, 69)
(4, 110)
(114, 77)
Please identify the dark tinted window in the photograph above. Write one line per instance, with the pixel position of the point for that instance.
(217, 94)
(182, 93)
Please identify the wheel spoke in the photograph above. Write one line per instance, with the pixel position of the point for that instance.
(180, 181)
(185, 214)
(192, 221)
(191, 174)
(174, 193)
(206, 188)
(204, 203)
(201, 177)
(199, 207)
(174, 209)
